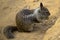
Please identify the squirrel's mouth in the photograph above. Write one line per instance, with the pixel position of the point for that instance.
(38, 20)
(42, 19)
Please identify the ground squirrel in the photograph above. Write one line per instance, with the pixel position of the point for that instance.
(25, 18)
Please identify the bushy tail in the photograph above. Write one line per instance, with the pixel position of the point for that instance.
(8, 31)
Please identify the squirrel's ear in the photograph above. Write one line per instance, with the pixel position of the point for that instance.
(41, 5)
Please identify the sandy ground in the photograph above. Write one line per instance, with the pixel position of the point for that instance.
(48, 30)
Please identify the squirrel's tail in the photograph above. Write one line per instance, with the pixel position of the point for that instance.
(8, 31)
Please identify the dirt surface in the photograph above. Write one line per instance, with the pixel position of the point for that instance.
(48, 30)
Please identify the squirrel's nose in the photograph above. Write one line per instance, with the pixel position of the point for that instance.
(48, 14)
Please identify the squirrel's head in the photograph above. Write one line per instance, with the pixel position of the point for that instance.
(43, 12)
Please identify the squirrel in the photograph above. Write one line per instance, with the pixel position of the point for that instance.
(25, 18)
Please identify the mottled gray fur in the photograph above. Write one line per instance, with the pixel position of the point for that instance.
(26, 17)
